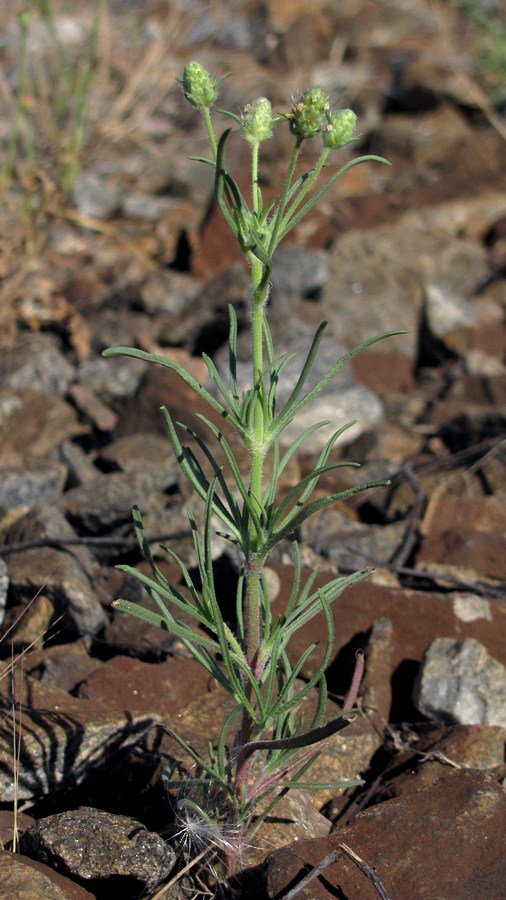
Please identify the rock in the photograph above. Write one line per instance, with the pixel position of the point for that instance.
(92, 408)
(94, 845)
(24, 879)
(35, 361)
(34, 423)
(460, 682)
(112, 379)
(351, 545)
(105, 503)
(463, 554)
(9, 822)
(168, 292)
(376, 689)
(340, 402)
(417, 618)
(294, 818)
(464, 845)
(65, 740)
(62, 666)
(202, 323)
(80, 468)
(140, 687)
(94, 197)
(432, 756)
(64, 582)
(446, 311)
(31, 485)
(47, 522)
(147, 453)
(127, 635)
(142, 206)
(297, 274)
(378, 279)
(30, 625)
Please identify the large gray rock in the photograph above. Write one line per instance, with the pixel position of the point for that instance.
(459, 682)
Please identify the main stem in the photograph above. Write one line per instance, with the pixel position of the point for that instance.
(254, 557)
(258, 449)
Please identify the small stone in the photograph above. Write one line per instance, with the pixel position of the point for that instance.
(142, 206)
(112, 379)
(470, 607)
(148, 453)
(34, 423)
(32, 485)
(94, 197)
(446, 311)
(459, 682)
(34, 360)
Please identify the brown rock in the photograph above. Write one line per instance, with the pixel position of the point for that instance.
(444, 841)
(435, 754)
(135, 686)
(35, 423)
(25, 879)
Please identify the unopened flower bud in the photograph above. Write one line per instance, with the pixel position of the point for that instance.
(256, 123)
(198, 87)
(306, 117)
(340, 129)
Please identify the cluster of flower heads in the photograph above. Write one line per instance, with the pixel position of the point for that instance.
(310, 115)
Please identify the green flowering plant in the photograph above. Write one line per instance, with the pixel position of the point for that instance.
(265, 746)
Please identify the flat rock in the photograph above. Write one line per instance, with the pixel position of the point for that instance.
(35, 361)
(30, 485)
(129, 684)
(433, 755)
(105, 502)
(64, 739)
(463, 846)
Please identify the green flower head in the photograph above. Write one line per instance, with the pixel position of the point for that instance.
(256, 121)
(198, 87)
(307, 115)
(340, 129)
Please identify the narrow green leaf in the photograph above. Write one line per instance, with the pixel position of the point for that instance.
(285, 417)
(317, 196)
(183, 374)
